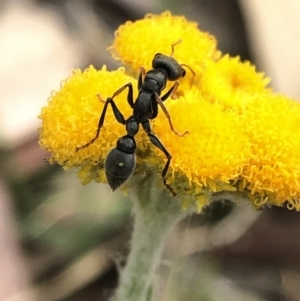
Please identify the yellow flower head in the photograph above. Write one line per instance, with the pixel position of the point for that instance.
(231, 83)
(273, 171)
(136, 43)
(70, 119)
(241, 135)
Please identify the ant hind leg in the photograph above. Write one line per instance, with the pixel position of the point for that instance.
(155, 141)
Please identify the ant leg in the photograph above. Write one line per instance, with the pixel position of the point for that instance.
(141, 77)
(118, 116)
(159, 101)
(171, 92)
(155, 141)
(129, 94)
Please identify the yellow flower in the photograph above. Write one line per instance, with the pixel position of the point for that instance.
(273, 171)
(231, 83)
(241, 135)
(71, 117)
(136, 43)
(215, 150)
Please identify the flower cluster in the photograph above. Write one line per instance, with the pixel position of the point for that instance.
(242, 135)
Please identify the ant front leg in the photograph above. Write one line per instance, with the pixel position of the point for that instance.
(160, 102)
(118, 115)
(171, 92)
(155, 141)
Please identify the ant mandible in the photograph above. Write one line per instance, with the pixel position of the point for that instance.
(120, 162)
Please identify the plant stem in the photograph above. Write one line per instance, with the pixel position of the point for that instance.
(155, 214)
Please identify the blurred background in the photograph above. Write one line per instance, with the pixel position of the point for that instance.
(60, 241)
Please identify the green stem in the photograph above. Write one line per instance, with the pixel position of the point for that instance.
(156, 212)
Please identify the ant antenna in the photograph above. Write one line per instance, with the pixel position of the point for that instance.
(192, 71)
(172, 52)
(173, 46)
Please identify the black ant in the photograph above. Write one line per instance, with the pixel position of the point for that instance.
(120, 162)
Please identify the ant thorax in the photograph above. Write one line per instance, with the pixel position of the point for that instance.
(155, 81)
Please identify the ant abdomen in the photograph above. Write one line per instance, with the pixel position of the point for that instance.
(171, 66)
(120, 162)
(119, 167)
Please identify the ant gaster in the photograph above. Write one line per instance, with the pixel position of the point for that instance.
(120, 162)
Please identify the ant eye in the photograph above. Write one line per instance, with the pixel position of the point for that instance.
(183, 73)
(157, 54)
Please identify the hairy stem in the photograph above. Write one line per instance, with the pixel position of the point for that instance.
(155, 214)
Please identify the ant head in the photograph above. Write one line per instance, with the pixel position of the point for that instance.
(173, 69)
